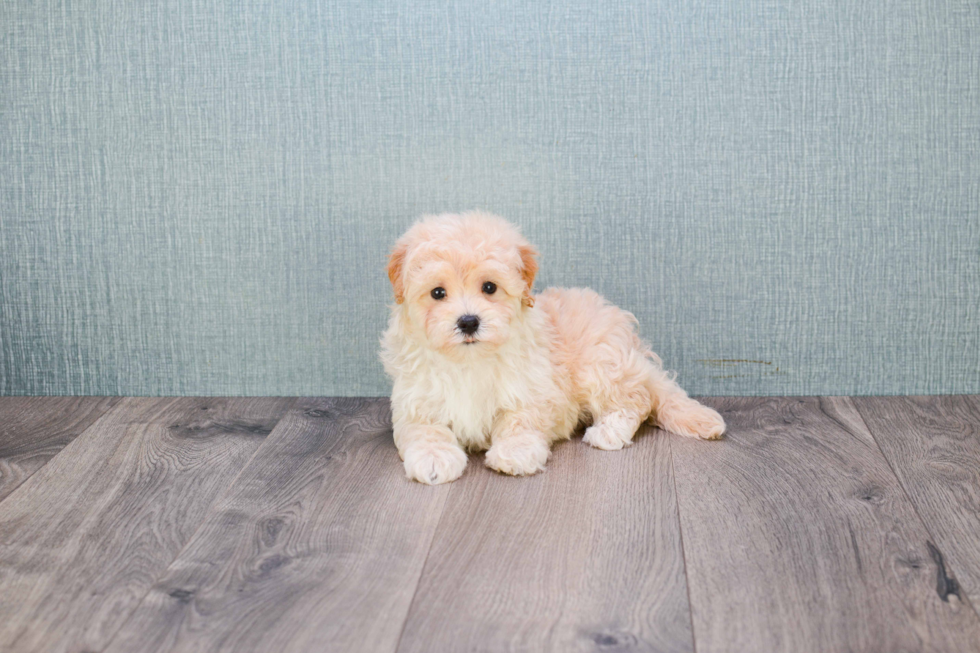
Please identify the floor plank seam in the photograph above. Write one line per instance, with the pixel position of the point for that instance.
(204, 520)
(680, 534)
(101, 417)
(425, 564)
(964, 596)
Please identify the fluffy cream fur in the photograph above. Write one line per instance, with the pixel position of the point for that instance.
(537, 366)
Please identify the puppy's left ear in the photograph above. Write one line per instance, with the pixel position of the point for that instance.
(529, 268)
(396, 263)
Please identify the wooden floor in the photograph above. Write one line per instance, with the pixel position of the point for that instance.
(204, 524)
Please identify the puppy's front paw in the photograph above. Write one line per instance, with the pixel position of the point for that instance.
(519, 456)
(433, 463)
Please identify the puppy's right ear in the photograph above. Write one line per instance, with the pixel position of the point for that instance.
(396, 264)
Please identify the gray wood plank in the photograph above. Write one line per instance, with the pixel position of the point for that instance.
(317, 546)
(798, 537)
(83, 539)
(933, 444)
(585, 556)
(34, 429)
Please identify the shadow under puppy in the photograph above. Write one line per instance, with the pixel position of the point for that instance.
(480, 363)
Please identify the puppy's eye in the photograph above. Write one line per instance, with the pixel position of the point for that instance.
(438, 293)
(489, 287)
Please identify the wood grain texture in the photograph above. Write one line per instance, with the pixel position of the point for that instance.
(34, 429)
(798, 537)
(585, 556)
(85, 537)
(318, 545)
(933, 444)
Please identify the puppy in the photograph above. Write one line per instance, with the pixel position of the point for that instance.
(481, 363)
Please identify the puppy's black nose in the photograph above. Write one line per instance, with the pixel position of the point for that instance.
(468, 324)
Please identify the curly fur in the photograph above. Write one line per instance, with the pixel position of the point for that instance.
(538, 366)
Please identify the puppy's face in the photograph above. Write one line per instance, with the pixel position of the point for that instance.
(462, 280)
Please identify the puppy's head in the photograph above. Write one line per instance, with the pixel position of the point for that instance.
(461, 280)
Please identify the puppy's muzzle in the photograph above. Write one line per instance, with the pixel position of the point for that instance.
(468, 324)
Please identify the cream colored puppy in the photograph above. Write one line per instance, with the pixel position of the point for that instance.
(480, 363)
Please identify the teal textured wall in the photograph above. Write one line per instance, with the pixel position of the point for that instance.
(196, 197)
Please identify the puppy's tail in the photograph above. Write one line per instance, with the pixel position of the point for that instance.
(673, 410)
